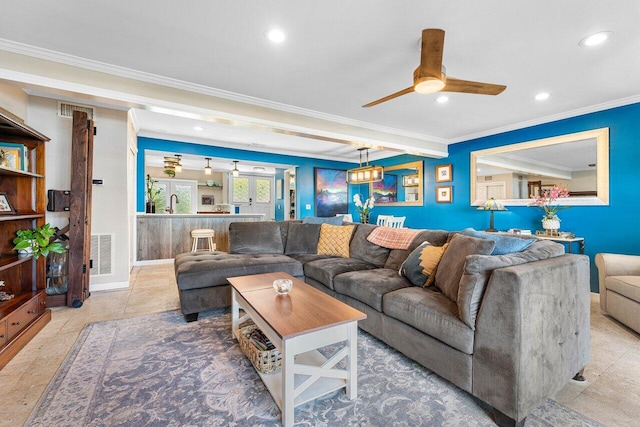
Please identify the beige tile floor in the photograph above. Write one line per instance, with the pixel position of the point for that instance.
(609, 395)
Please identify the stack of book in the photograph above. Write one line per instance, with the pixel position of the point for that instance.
(260, 340)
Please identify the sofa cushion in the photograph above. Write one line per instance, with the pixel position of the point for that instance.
(305, 258)
(213, 270)
(369, 286)
(504, 244)
(397, 256)
(333, 220)
(362, 248)
(431, 312)
(325, 270)
(302, 238)
(335, 240)
(451, 266)
(478, 269)
(422, 263)
(256, 237)
(627, 286)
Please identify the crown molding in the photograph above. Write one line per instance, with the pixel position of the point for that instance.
(548, 119)
(89, 64)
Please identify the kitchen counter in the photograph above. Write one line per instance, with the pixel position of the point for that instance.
(163, 236)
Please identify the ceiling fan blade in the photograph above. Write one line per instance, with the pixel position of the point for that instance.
(387, 98)
(431, 53)
(466, 86)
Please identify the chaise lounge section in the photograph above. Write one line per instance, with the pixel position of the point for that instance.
(509, 328)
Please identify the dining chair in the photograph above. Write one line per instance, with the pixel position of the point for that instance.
(382, 219)
(396, 221)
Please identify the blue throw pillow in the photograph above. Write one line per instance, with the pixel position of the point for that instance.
(504, 244)
(331, 220)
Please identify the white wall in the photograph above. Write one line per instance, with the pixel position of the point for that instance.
(14, 100)
(110, 200)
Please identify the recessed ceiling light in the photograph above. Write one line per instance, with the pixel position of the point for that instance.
(595, 39)
(198, 128)
(442, 99)
(276, 35)
(542, 96)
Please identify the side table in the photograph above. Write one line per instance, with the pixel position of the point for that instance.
(569, 241)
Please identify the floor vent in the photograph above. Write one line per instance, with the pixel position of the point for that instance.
(66, 110)
(101, 254)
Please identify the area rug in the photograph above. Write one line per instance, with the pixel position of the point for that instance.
(158, 370)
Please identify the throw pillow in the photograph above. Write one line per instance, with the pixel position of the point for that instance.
(421, 263)
(302, 238)
(333, 220)
(504, 244)
(451, 265)
(478, 270)
(335, 239)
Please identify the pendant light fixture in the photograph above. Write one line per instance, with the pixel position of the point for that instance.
(207, 169)
(173, 163)
(365, 174)
(235, 171)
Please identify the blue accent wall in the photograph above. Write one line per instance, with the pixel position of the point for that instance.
(613, 228)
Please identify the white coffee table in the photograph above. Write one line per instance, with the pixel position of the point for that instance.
(298, 325)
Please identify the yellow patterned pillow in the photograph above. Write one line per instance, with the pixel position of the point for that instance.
(334, 240)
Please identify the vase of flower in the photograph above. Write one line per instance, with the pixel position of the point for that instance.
(548, 202)
(364, 209)
(551, 223)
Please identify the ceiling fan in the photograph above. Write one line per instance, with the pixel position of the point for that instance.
(430, 75)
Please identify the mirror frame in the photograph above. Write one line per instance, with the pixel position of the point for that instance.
(602, 166)
(419, 166)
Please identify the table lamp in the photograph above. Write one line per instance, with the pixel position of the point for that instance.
(491, 205)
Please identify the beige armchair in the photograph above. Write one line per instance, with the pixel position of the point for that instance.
(619, 277)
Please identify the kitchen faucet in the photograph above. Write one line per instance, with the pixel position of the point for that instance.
(170, 208)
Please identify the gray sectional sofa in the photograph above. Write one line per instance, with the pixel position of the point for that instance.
(510, 329)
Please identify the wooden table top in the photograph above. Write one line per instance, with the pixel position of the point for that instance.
(305, 309)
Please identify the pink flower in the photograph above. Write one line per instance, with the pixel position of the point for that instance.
(547, 200)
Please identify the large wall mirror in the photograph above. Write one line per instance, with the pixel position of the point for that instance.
(402, 186)
(515, 173)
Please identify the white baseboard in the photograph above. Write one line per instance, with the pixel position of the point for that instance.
(108, 286)
(153, 262)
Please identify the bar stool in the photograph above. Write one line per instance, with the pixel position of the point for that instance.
(202, 233)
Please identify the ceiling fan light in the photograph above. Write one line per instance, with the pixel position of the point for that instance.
(428, 85)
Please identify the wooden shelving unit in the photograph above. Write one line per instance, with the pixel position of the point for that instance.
(23, 316)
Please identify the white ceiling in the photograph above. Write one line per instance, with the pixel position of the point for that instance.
(342, 54)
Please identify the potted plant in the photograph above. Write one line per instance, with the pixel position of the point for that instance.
(363, 209)
(37, 242)
(152, 193)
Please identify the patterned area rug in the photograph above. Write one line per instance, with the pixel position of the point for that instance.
(158, 370)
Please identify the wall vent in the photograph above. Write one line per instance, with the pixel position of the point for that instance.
(66, 109)
(101, 254)
(488, 178)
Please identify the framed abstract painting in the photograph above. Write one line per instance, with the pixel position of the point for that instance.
(331, 192)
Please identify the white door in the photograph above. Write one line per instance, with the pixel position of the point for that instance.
(186, 192)
(486, 191)
(253, 194)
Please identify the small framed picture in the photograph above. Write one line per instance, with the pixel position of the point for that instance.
(443, 173)
(444, 194)
(208, 199)
(5, 206)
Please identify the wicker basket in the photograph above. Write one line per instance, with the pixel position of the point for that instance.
(268, 361)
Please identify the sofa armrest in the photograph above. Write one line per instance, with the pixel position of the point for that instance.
(617, 265)
(532, 333)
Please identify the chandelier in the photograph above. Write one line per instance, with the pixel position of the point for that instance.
(365, 174)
